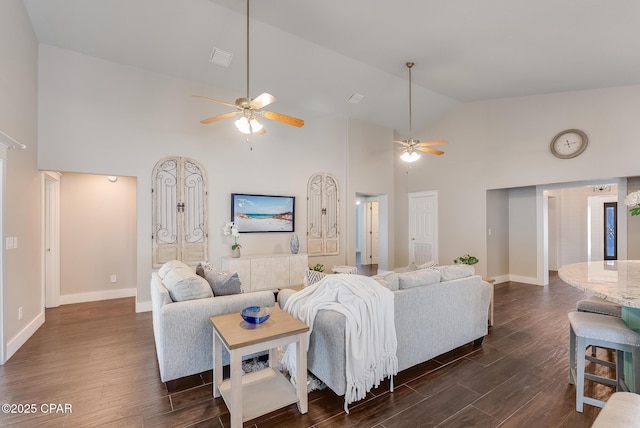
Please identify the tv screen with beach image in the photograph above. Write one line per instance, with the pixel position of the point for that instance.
(262, 213)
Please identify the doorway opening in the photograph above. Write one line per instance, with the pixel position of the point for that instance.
(368, 234)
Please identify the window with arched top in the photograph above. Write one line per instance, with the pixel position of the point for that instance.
(323, 203)
(179, 194)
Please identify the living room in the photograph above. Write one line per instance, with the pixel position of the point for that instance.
(82, 114)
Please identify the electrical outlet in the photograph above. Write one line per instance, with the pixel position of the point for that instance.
(20, 313)
(114, 279)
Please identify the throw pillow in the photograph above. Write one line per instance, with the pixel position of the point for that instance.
(170, 265)
(388, 280)
(451, 272)
(428, 265)
(418, 278)
(224, 283)
(185, 285)
(204, 267)
(314, 276)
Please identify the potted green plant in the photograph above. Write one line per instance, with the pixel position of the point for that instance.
(466, 260)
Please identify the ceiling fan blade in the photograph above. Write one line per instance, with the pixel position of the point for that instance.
(404, 143)
(432, 143)
(289, 120)
(428, 150)
(262, 100)
(214, 101)
(219, 117)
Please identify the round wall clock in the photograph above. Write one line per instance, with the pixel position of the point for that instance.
(569, 144)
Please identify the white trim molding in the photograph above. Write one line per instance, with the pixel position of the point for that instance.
(143, 306)
(10, 143)
(67, 299)
(21, 338)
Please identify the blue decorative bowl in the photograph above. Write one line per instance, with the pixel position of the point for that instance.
(256, 314)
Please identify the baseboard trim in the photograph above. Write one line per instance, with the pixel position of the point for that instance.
(68, 299)
(19, 339)
(524, 279)
(143, 306)
(501, 278)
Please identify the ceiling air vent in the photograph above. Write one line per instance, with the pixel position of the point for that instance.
(220, 57)
(355, 98)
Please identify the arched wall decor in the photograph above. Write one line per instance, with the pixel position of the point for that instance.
(323, 208)
(180, 229)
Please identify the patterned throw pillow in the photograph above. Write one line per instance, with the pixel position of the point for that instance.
(428, 265)
(204, 267)
(314, 276)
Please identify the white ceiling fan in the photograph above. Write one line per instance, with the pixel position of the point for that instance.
(251, 108)
(412, 145)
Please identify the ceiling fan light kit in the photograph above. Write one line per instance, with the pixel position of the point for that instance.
(249, 108)
(409, 157)
(411, 144)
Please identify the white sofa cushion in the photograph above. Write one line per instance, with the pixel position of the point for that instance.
(389, 280)
(183, 283)
(169, 266)
(418, 278)
(451, 272)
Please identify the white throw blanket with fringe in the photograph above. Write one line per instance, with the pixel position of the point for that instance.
(370, 334)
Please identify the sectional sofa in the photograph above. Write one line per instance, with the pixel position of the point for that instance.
(436, 310)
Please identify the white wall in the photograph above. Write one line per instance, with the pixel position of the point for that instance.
(370, 172)
(497, 233)
(522, 234)
(104, 118)
(504, 143)
(572, 205)
(97, 237)
(21, 206)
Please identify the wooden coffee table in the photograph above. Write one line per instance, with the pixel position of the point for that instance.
(266, 390)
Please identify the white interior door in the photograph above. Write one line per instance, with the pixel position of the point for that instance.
(51, 238)
(374, 231)
(423, 227)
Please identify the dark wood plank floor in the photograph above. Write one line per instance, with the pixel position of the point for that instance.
(100, 359)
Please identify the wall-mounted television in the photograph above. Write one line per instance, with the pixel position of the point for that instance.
(263, 213)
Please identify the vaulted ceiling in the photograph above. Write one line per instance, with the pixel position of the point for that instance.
(313, 55)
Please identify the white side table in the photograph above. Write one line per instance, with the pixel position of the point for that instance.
(266, 390)
(492, 282)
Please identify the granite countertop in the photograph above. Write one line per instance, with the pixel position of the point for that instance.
(616, 281)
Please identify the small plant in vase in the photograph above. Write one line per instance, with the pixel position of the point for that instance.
(231, 229)
(318, 268)
(466, 260)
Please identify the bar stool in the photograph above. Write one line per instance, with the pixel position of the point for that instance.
(597, 305)
(587, 329)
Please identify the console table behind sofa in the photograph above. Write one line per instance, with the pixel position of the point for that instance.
(268, 272)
